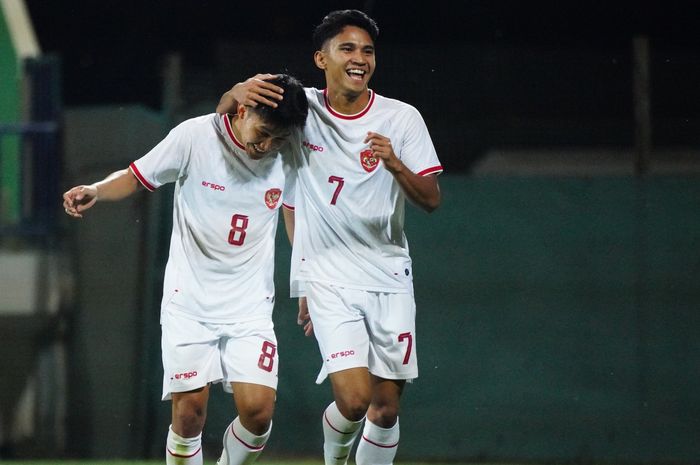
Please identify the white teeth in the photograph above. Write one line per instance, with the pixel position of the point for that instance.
(356, 71)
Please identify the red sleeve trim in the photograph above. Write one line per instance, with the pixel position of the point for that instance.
(287, 206)
(434, 169)
(140, 177)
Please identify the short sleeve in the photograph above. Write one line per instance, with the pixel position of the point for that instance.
(166, 161)
(417, 151)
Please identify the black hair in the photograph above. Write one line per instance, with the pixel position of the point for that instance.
(292, 110)
(335, 21)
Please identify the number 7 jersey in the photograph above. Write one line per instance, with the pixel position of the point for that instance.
(225, 214)
(349, 210)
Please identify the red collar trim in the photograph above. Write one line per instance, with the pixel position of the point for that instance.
(229, 129)
(342, 116)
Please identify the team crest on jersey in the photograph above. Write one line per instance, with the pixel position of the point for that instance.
(368, 161)
(272, 196)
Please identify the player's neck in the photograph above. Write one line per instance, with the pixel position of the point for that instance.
(234, 120)
(347, 103)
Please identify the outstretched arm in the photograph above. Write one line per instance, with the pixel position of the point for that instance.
(116, 186)
(250, 92)
(423, 191)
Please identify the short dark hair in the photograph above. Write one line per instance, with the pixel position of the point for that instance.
(292, 110)
(335, 21)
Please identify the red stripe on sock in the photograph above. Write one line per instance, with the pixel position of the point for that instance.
(325, 417)
(249, 446)
(182, 456)
(385, 446)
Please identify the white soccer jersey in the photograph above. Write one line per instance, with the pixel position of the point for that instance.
(225, 213)
(349, 210)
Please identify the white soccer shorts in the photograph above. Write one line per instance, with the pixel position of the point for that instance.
(197, 353)
(356, 328)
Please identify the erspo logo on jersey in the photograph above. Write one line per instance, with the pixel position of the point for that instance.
(368, 161)
(211, 185)
(342, 353)
(272, 197)
(315, 148)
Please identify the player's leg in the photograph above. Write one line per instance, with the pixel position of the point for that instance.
(249, 359)
(343, 341)
(247, 435)
(184, 441)
(190, 363)
(380, 436)
(392, 360)
(342, 419)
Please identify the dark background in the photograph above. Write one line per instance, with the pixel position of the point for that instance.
(485, 74)
(110, 48)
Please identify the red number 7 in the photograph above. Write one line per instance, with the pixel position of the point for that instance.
(408, 336)
(340, 182)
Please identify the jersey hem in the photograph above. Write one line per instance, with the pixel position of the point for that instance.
(360, 287)
(190, 316)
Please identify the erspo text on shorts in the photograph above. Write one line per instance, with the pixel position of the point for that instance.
(185, 375)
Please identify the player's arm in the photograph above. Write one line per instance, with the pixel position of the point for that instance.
(288, 215)
(303, 317)
(423, 191)
(116, 186)
(250, 92)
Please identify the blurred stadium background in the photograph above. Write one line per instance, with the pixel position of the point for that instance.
(558, 286)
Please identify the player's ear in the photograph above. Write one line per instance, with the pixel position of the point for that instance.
(241, 110)
(320, 59)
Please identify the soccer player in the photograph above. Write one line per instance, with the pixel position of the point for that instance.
(362, 155)
(218, 292)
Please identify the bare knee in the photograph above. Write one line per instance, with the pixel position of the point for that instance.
(189, 414)
(384, 409)
(257, 417)
(188, 420)
(354, 405)
(255, 405)
(383, 415)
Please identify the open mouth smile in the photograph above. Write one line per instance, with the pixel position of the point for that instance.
(356, 74)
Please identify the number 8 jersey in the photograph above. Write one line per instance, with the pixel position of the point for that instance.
(225, 215)
(349, 210)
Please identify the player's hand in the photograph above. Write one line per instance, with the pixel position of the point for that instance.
(78, 199)
(381, 148)
(251, 92)
(303, 318)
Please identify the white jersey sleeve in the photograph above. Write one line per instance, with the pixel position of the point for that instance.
(166, 162)
(417, 151)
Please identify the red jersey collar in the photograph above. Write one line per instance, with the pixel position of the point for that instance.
(342, 116)
(229, 129)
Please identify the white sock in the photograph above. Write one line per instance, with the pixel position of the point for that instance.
(339, 434)
(241, 447)
(183, 451)
(378, 445)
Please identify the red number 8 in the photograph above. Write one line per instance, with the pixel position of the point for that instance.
(267, 357)
(238, 225)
